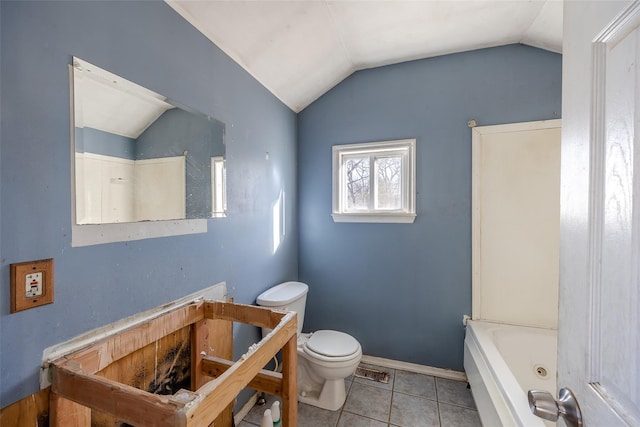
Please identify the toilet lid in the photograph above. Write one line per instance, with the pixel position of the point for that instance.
(332, 343)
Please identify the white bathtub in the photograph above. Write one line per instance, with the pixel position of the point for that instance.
(502, 363)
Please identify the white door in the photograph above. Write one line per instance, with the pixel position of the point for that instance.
(599, 326)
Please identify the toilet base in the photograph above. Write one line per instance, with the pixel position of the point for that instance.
(331, 397)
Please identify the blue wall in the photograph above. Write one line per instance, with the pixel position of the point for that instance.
(402, 289)
(148, 43)
(90, 140)
(177, 131)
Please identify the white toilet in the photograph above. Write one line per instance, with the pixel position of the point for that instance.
(325, 358)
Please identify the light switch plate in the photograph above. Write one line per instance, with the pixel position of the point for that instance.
(31, 284)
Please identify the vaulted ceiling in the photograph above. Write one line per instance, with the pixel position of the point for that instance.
(299, 49)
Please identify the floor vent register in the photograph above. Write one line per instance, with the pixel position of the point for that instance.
(372, 374)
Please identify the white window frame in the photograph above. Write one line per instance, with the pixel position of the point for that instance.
(218, 187)
(407, 213)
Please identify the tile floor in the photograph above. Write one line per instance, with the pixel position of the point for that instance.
(408, 400)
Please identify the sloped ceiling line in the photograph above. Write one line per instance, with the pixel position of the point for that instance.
(300, 49)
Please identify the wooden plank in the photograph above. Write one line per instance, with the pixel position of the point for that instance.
(249, 314)
(222, 346)
(124, 402)
(290, 383)
(162, 367)
(200, 333)
(267, 381)
(111, 349)
(66, 413)
(31, 411)
(211, 337)
(219, 393)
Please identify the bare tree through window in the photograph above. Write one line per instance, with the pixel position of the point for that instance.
(388, 184)
(358, 180)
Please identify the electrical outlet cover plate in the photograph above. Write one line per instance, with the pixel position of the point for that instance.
(31, 284)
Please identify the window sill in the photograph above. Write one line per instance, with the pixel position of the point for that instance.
(398, 218)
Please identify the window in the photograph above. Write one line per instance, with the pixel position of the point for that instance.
(218, 190)
(374, 182)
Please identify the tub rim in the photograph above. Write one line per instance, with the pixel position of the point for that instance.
(510, 401)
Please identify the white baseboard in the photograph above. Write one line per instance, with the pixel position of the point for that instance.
(414, 367)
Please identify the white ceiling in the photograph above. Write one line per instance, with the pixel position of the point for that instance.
(107, 102)
(299, 49)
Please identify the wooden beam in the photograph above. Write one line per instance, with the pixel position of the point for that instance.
(221, 343)
(66, 413)
(249, 314)
(268, 381)
(215, 338)
(290, 383)
(200, 334)
(108, 350)
(122, 401)
(217, 394)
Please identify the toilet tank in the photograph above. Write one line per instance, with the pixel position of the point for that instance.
(288, 296)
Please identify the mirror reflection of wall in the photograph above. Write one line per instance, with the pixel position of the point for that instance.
(141, 157)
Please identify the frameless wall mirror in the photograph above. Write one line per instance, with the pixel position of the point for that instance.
(140, 156)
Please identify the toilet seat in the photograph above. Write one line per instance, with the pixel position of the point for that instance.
(332, 346)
